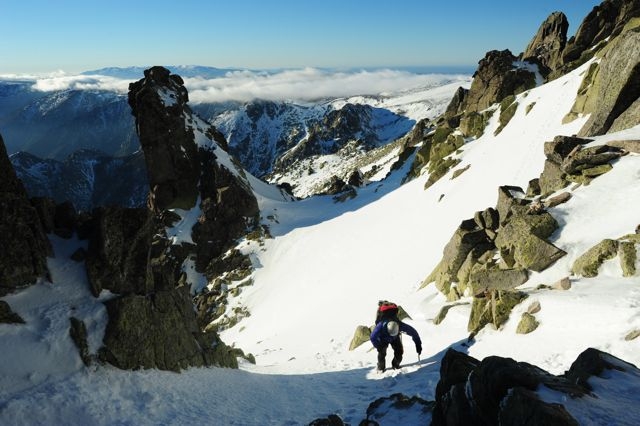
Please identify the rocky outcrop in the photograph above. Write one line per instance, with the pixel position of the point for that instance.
(547, 45)
(131, 252)
(159, 330)
(186, 162)
(604, 21)
(495, 79)
(25, 246)
(502, 391)
(514, 230)
(567, 161)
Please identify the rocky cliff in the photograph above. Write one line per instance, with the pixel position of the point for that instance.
(25, 245)
(131, 252)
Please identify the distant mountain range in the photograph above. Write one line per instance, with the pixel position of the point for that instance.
(282, 142)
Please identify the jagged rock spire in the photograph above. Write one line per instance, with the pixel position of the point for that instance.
(547, 45)
(158, 102)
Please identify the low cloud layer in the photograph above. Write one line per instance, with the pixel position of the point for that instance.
(307, 84)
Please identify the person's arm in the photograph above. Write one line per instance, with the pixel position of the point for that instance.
(406, 328)
(375, 335)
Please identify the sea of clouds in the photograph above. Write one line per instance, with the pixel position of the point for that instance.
(307, 84)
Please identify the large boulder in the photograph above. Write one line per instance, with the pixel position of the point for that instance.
(468, 236)
(523, 241)
(546, 46)
(25, 245)
(589, 262)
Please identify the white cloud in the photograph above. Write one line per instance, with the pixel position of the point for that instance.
(81, 82)
(306, 84)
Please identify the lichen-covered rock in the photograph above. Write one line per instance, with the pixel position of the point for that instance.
(508, 198)
(493, 309)
(523, 239)
(552, 178)
(616, 85)
(604, 20)
(588, 264)
(508, 108)
(590, 157)
(630, 145)
(527, 324)
(628, 256)
(473, 123)
(560, 147)
(481, 281)
(157, 102)
(24, 246)
(466, 237)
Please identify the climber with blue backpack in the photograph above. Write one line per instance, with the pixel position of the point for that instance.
(387, 332)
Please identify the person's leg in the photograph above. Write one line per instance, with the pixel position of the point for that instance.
(382, 354)
(398, 350)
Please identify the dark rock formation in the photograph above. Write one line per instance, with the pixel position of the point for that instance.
(495, 79)
(330, 420)
(153, 323)
(25, 245)
(186, 161)
(390, 410)
(502, 391)
(547, 45)
(78, 333)
(7, 316)
(158, 102)
(159, 330)
(118, 252)
(456, 107)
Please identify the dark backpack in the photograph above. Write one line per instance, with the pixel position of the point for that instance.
(387, 311)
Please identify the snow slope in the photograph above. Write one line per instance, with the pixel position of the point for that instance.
(322, 275)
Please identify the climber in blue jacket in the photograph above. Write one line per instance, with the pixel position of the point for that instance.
(387, 333)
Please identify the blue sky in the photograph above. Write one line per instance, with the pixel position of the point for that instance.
(42, 35)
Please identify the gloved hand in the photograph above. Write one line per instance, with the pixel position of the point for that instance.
(419, 349)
